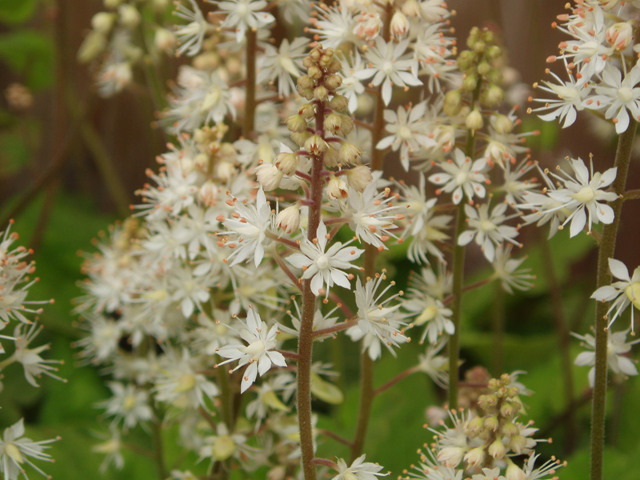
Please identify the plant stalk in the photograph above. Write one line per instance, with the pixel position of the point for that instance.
(606, 251)
(250, 95)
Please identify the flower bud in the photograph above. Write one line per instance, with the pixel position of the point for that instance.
(479, 46)
(495, 76)
(452, 102)
(269, 176)
(164, 40)
(332, 82)
(208, 193)
(503, 124)
(399, 24)
(326, 58)
(93, 45)
(347, 125)
(470, 82)
(333, 123)
(514, 472)
(339, 103)
(103, 21)
(359, 177)
(112, 3)
(129, 16)
(296, 123)
(491, 423)
(497, 450)
(337, 188)
(287, 162)
(225, 171)
(493, 52)
(475, 427)
(325, 391)
(451, 456)
(508, 410)
(314, 54)
(289, 219)
(620, 35)
(315, 145)
(518, 443)
(300, 138)
(314, 72)
(411, 8)
(484, 68)
(305, 83)
(321, 92)
(633, 294)
(349, 153)
(475, 456)
(466, 59)
(334, 67)
(509, 429)
(331, 157)
(474, 120)
(492, 96)
(307, 111)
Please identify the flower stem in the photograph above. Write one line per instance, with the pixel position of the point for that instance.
(606, 251)
(498, 330)
(250, 92)
(305, 341)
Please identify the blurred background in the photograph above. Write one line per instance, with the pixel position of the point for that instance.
(71, 161)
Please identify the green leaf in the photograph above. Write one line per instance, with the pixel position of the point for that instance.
(30, 54)
(15, 12)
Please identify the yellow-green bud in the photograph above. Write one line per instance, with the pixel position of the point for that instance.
(286, 162)
(484, 68)
(300, 138)
(452, 102)
(93, 45)
(497, 450)
(474, 120)
(334, 67)
(495, 76)
(493, 52)
(470, 82)
(333, 123)
(479, 46)
(307, 111)
(488, 36)
(466, 59)
(333, 81)
(315, 145)
(331, 157)
(492, 423)
(321, 92)
(296, 123)
(359, 177)
(514, 472)
(347, 125)
(314, 72)
(339, 103)
(492, 96)
(349, 153)
(305, 83)
(503, 124)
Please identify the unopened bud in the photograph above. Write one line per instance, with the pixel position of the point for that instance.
(347, 125)
(475, 456)
(484, 68)
(129, 16)
(518, 443)
(503, 124)
(297, 123)
(321, 93)
(474, 120)
(492, 96)
(452, 102)
(399, 24)
(331, 157)
(289, 219)
(93, 45)
(493, 52)
(315, 145)
(164, 40)
(470, 82)
(479, 46)
(269, 176)
(497, 450)
(349, 153)
(411, 8)
(333, 123)
(103, 21)
(300, 138)
(337, 188)
(307, 111)
(287, 162)
(466, 59)
(314, 72)
(359, 177)
(491, 423)
(208, 193)
(305, 83)
(508, 410)
(332, 82)
(620, 35)
(334, 67)
(339, 103)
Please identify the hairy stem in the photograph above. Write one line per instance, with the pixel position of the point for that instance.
(606, 251)
(498, 330)
(250, 100)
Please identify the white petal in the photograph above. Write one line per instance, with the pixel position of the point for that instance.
(619, 269)
(578, 222)
(466, 237)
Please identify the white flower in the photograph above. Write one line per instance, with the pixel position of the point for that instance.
(616, 347)
(506, 270)
(282, 64)
(435, 365)
(260, 354)
(336, 27)
(33, 364)
(192, 34)
(406, 129)
(387, 66)
(351, 86)
(377, 322)
(461, 176)
(619, 95)
(15, 452)
(487, 228)
(325, 268)
(432, 312)
(250, 223)
(621, 293)
(243, 14)
(359, 470)
(585, 192)
(129, 403)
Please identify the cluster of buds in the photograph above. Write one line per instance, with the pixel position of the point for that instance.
(482, 77)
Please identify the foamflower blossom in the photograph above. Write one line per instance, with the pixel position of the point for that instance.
(461, 177)
(619, 95)
(325, 268)
(260, 352)
(191, 35)
(358, 470)
(388, 66)
(244, 14)
(617, 346)
(283, 64)
(15, 450)
(622, 293)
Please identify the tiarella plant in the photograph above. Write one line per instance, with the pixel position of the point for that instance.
(260, 232)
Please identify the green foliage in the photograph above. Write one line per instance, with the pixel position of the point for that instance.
(30, 54)
(15, 12)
